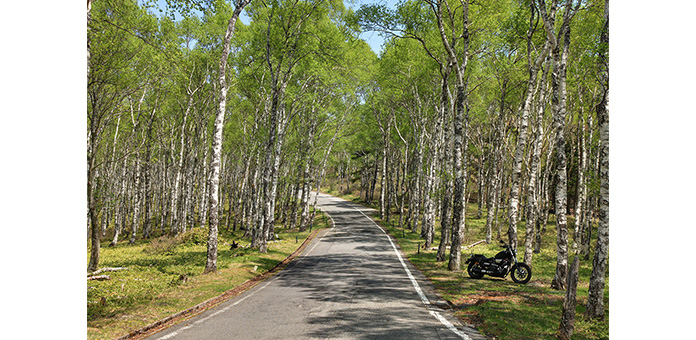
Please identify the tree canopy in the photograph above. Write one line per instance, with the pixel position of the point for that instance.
(469, 102)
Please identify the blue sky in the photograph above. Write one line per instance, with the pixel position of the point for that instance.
(372, 38)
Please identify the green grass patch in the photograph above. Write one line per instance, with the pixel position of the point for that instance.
(165, 276)
(499, 307)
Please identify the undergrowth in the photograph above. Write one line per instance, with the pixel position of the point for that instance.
(164, 275)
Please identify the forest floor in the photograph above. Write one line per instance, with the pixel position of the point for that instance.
(500, 308)
(165, 276)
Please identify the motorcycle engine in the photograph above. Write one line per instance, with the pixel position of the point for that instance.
(500, 266)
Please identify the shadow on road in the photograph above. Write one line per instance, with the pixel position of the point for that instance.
(358, 286)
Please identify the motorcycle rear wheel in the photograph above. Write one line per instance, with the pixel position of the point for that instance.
(473, 274)
(521, 273)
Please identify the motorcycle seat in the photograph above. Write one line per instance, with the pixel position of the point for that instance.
(484, 258)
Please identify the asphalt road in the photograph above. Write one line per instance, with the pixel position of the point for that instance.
(350, 283)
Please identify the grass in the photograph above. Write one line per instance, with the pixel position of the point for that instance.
(165, 276)
(497, 307)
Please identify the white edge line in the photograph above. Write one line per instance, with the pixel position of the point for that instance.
(449, 325)
(423, 298)
(173, 334)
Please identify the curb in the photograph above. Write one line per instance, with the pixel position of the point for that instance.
(215, 301)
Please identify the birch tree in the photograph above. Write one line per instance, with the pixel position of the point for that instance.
(214, 178)
(533, 213)
(136, 174)
(531, 90)
(595, 299)
(496, 168)
(567, 325)
(459, 60)
(447, 192)
(284, 41)
(560, 58)
(113, 50)
(177, 222)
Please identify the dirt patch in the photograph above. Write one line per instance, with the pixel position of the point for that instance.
(470, 318)
(477, 299)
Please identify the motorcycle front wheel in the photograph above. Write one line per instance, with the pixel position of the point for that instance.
(521, 273)
(474, 274)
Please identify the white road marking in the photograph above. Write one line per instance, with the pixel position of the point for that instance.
(422, 296)
(449, 325)
(175, 333)
(275, 277)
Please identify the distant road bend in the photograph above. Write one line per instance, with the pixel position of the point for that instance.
(350, 283)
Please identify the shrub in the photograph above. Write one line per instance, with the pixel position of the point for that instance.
(195, 236)
(163, 245)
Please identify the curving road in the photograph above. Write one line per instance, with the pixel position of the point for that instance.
(351, 283)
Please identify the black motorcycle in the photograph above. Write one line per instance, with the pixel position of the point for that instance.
(499, 266)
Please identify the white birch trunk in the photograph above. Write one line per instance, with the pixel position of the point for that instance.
(306, 188)
(384, 179)
(595, 298)
(431, 183)
(189, 205)
(545, 194)
(118, 220)
(254, 199)
(242, 192)
(587, 209)
(176, 220)
(559, 108)
(89, 52)
(532, 205)
(414, 197)
(214, 179)
(522, 137)
(146, 180)
(495, 174)
(582, 184)
(322, 165)
(162, 195)
(271, 198)
(461, 120)
(402, 205)
(202, 209)
(446, 204)
(480, 182)
(104, 223)
(385, 129)
(136, 201)
(92, 141)
(270, 176)
(428, 229)
(569, 302)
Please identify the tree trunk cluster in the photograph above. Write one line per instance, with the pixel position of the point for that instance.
(535, 157)
(159, 158)
(235, 135)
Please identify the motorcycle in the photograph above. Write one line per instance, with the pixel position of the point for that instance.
(505, 262)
